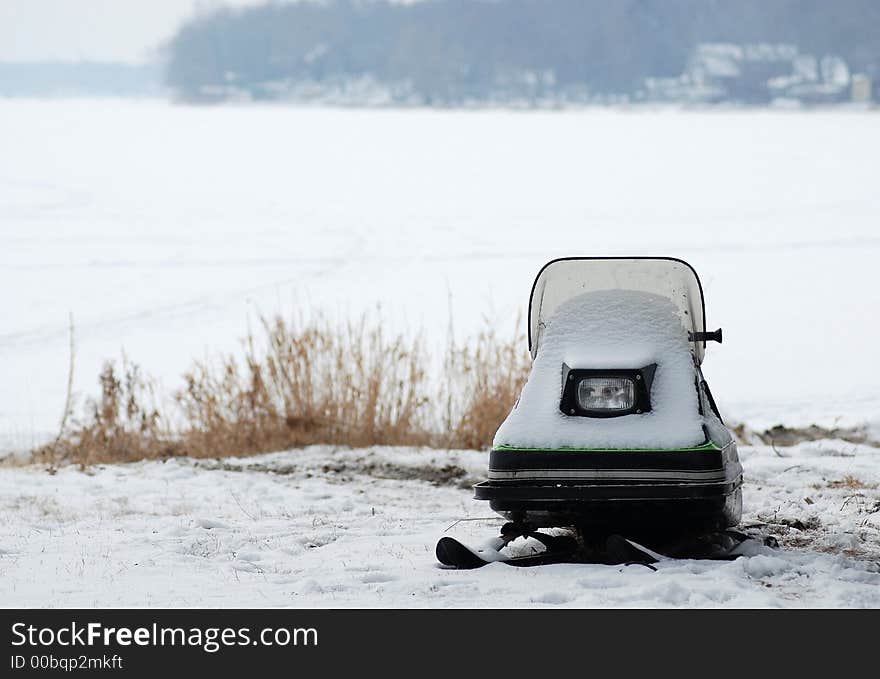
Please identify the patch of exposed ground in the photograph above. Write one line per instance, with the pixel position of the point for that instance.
(783, 436)
(458, 470)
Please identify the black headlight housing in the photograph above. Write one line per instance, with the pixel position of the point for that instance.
(634, 386)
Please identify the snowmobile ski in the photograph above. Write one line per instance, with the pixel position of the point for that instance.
(615, 550)
(619, 550)
(452, 552)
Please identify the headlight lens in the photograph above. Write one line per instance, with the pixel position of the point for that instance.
(606, 393)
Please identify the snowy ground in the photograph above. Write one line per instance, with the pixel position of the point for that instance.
(329, 528)
(165, 228)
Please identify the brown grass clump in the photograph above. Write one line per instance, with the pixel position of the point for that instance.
(483, 380)
(851, 483)
(301, 384)
(350, 385)
(122, 425)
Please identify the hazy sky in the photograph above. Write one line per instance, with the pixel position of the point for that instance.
(99, 30)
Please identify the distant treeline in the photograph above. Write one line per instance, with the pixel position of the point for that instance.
(454, 51)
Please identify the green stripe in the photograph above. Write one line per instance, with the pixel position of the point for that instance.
(706, 446)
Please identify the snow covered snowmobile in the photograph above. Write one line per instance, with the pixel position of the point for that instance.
(616, 433)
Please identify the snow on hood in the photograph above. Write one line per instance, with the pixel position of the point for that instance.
(610, 329)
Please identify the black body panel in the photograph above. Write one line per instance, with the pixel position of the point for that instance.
(608, 491)
(630, 491)
(695, 459)
(634, 509)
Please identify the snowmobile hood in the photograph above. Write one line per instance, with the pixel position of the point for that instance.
(561, 279)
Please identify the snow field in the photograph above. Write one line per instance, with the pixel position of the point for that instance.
(166, 229)
(341, 528)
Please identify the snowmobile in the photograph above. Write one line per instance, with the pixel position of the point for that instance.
(616, 435)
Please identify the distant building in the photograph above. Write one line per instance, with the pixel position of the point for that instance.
(861, 89)
(756, 74)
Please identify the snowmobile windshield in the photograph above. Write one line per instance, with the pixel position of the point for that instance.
(562, 279)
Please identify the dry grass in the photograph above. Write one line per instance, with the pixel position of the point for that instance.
(483, 380)
(850, 482)
(299, 384)
(123, 424)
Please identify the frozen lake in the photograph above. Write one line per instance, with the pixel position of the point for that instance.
(166, 229)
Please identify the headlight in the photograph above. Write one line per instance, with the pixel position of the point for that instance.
(606, 393)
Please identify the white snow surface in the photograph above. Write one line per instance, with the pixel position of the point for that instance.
(609, 329)
(166, 229)
(356, 528)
